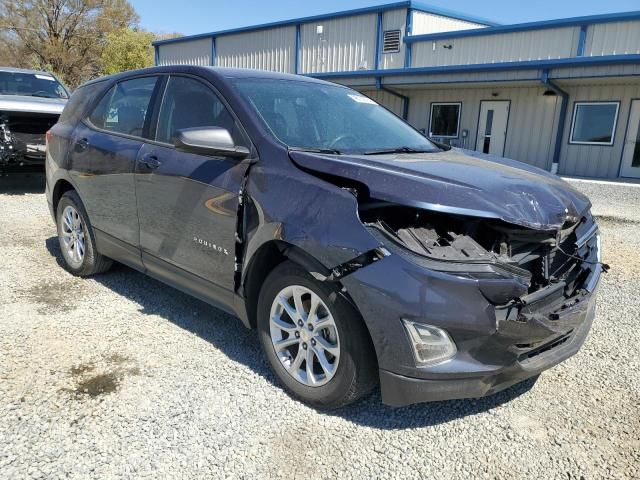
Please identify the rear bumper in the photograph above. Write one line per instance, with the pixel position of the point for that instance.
(399, 390)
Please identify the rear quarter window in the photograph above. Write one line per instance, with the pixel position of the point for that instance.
(78, 103)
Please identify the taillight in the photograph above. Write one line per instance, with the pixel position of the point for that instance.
(48, 137)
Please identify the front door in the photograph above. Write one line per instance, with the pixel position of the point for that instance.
(492, 126)
(187, 203)
(631, 152)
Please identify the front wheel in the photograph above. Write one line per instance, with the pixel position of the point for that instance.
(76, 238)
(314, 340)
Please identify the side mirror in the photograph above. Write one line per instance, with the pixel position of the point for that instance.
(215, 141)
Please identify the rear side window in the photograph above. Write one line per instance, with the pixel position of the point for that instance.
(126, 107)
(189, 103)
(77, 105)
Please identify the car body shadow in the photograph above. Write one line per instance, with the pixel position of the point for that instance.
(22, 183)
(228, 335)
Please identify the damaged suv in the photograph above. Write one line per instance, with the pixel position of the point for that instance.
(30, 104)
(362, 252)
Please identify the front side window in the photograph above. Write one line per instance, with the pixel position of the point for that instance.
(594, 123)
(189, 103)
(126, 107)
(320, 116)
(31, 85)
(445, 120)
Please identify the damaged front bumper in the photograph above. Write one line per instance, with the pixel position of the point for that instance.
(497, 346)
(22, 139)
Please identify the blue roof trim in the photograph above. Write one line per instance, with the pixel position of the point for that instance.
(487, 67)
(421, 7)
(326, 16)
(522, 27)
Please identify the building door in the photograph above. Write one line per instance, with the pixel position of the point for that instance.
(492, 127)
(631, 152)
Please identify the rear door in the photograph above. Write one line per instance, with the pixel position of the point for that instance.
(103, 158)
(187, 203)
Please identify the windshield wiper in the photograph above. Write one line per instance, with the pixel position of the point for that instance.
(396, 150)
(331, 151)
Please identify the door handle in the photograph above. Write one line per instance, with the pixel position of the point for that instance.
(83, 143)
(151, 161)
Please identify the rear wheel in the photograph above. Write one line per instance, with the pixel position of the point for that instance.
(76, 238)
(314, 340)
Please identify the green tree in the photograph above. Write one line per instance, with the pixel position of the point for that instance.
(127, 49)
(64, 36)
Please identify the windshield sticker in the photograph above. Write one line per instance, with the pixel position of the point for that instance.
(362, 99)
(44, 77)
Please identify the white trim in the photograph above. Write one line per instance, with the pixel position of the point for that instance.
(613, 130)
(457, 135)
(630, 182)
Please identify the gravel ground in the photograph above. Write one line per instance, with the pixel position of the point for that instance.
(121, 376)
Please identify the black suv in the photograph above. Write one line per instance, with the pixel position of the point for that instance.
(360, 250)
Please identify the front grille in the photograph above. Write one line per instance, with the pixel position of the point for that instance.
(567, 261)
(546, 347)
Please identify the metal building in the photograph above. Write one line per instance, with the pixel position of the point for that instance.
(562, 94)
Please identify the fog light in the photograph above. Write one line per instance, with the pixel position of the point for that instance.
(430, 344)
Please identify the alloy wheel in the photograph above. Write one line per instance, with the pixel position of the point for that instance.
(304, 336)
(72, 236)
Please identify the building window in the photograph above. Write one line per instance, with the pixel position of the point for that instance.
(391, 41)
(445, 120)
(594, 123)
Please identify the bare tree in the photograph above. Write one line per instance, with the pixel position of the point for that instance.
(64, 36)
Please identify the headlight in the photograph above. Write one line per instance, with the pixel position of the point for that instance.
(430, 344)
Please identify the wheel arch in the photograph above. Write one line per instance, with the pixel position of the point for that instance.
(267, 257)
(61, 187)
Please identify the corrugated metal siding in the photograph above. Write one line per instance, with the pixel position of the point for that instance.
(190, 52)
(603, 71)
(394, 20)
(593, 160)
(532, 118)
(618, 38)
(479, 77)
(424, 23)
(272, 49)
(390, 101)
(345, 44)
(510, 47)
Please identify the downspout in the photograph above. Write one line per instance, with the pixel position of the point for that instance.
(156, 54)
(407, 31)
(564, 103)
(405, 99)
(376, 60)
(214, 59)
(296, 61)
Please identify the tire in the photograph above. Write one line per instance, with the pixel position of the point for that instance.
(352, 372)
(89, 262)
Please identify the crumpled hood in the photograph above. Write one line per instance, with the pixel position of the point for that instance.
(461, 182)
(19, 103)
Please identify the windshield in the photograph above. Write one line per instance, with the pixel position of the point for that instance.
(315, 116)
(31, 85)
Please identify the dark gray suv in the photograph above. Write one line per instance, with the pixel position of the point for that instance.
(361, 251)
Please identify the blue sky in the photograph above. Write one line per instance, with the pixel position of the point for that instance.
(198, 16)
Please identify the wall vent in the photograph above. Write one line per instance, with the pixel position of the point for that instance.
(391, 43)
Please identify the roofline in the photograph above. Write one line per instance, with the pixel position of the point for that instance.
(486, 67)
(409, 4)
(421, 7)
(522, 27)
(25, 70)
